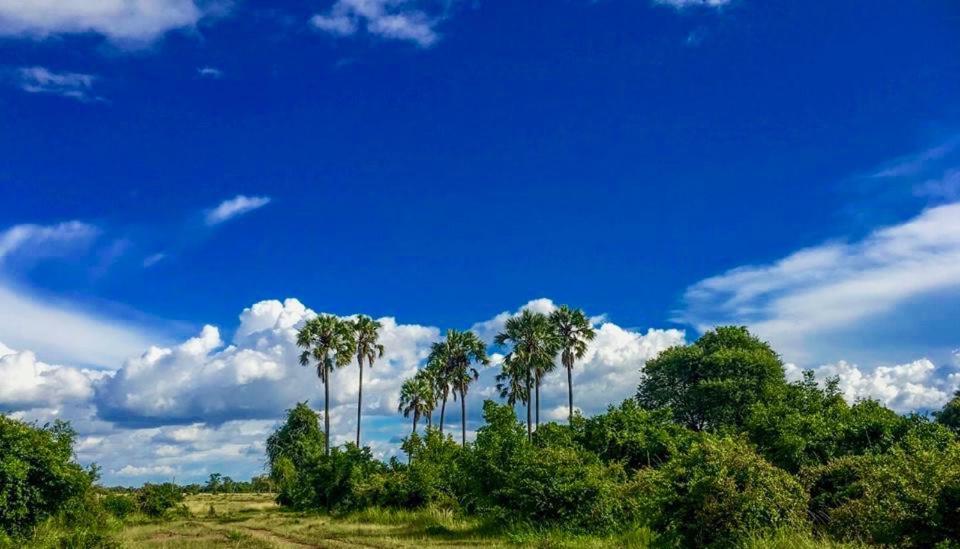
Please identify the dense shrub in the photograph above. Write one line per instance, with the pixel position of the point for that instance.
(719, 493)
(119, 505)
(634, 436)
(906, 496)
(158, 500)
(291, 451)
(37, 475)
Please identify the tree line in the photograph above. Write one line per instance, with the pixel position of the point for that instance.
(535, 342)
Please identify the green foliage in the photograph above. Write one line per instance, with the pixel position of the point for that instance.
(712, 384)
(291, 449)
(719, 493)
(38, 478)
(949, 416)
(119, 505)
(908, 496)
(633, 436)
(158, 500)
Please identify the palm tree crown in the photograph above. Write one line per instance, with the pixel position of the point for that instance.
(454, 358)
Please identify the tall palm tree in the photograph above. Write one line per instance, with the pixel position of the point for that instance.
(366, 332)
(329, 342)
(458, 354)
(574, 332)
(427, 375)
(535, 344)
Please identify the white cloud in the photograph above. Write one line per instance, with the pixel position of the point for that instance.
(29, 383)
(683, 4)
(151, 471)
(258, 376)
(65, 84)
(391, 19)
(123, 21)
(916, 163)
(833, 288)
(45, 240)
(904, 387)
(238, 205)
(153, 259)
(210, 72)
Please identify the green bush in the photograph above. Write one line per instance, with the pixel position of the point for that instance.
(119, 505)
(158, 500)
(633, 436)
(908, 496)
(719, 493)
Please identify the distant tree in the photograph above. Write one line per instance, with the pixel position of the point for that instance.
(213, 483)
(330, 343)
(574, 332)
(534, 346)
(713, 383)
(366, 332)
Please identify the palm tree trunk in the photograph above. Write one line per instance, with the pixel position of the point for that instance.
(463, 417)
(443, 408)
(414, 431)
(570, 393)
(538, 401)
(430, 420)
(326, 407)
(359, 399)
(529, 404)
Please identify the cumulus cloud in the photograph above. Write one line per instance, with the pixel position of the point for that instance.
(123, 21)
(238, 205)
(257, 376)
(30, 383)
(834, 287)
(904, 387)
(151, 470)
(391, 19)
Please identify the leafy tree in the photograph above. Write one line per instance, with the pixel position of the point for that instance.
(534, 346)
(366, 332)
(214, 483)
(950, 414)
(329, 342)
(574, 332)
(713, 383)
(719, 493)
(291, 450)
(38, 478)
(156, 500)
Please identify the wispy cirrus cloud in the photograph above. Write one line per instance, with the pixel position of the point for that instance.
(42, 80)
(238, 205)
(389, 19)
(683, 4)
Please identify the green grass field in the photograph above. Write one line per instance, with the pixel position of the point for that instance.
(254, 521)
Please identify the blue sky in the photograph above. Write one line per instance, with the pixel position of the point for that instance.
(666, 165)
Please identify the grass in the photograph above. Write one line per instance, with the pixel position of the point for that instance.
(253, 521)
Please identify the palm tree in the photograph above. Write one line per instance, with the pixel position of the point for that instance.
(365, 332)
(456, 356)
(416, 395)
(535, 344)
(512, 381)
(575, 332)
(439, 375)
(329, 342)
(427, 375)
